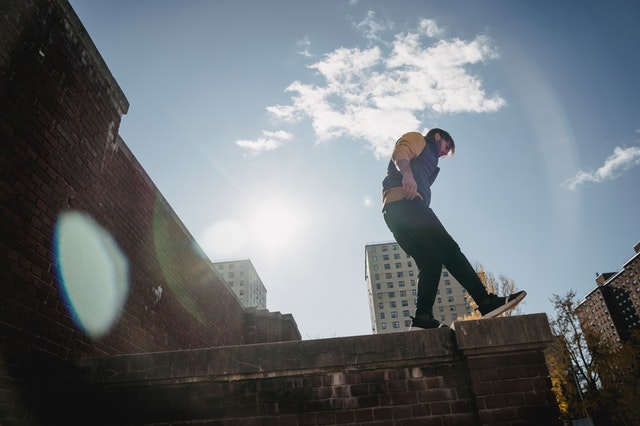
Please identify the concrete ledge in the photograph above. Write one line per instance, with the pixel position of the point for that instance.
(503, 334)
(272, 359)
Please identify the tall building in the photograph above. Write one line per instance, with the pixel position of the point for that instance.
(392, 278)
(612, 309)
(242, 278)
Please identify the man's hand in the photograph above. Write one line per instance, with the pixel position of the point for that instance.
(409, 185)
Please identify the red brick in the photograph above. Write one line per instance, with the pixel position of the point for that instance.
(440, 408)
(365, 415)
(382, 413)
(344, 417)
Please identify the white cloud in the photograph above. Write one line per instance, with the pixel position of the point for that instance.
(269, 141)
(305, 44)
(431, 28)
(621, 160)
(370, 27)
(377, 93)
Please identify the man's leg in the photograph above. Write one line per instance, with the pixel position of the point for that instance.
(449, 253)
(456, 262)
(411, 229)
(429, 271)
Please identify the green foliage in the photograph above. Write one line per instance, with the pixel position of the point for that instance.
(606, 379)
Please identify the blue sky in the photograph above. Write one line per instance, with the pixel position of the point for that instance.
(267, 126)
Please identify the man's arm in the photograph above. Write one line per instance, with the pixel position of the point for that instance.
(409, 185)
(409, 146)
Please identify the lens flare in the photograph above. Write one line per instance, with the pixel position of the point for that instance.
(93, 273)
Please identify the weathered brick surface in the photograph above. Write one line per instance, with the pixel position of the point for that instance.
(508, 373)
(432, 377)
(60, 110)
(60, 114)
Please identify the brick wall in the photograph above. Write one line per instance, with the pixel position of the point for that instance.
(61, 156)
(262, 326)
(480, 374)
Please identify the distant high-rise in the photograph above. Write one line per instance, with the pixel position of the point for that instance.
(392, 278)
(612, 309)
(242, 278)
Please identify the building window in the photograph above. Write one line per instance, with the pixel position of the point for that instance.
(385, 257)
(230, 275)
(382, 315)
(398, 265)
(383, 325)
(447, 282)
(392, 294)
(380, 305)
(405, 302)
(387, 266)
(392, 304)
(400, 283)
(452, 307)
(390, 284)
(375, 258)
(450, 299)
(405, 313)
(379, 295)
(403, 293)
(394, 314)
(378, 286)
(388, 275)
(396, 324)
(375, 267)
(385, 248)
(410, 264)
(399, 274)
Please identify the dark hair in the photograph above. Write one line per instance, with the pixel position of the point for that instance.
(430, 137)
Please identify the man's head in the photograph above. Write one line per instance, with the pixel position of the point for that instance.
(443, 140)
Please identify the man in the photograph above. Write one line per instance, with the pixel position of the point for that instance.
(406, 196)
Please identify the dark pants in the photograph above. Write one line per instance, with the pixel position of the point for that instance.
(419, 232)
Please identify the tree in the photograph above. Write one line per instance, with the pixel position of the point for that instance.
(564, 382)
(606, 379)
(567, 326)
(619, 370)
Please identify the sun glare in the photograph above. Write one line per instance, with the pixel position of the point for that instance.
(275, 225)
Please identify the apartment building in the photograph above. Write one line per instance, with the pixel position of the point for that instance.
(392, 277)
(612, 309)
(242, 278)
